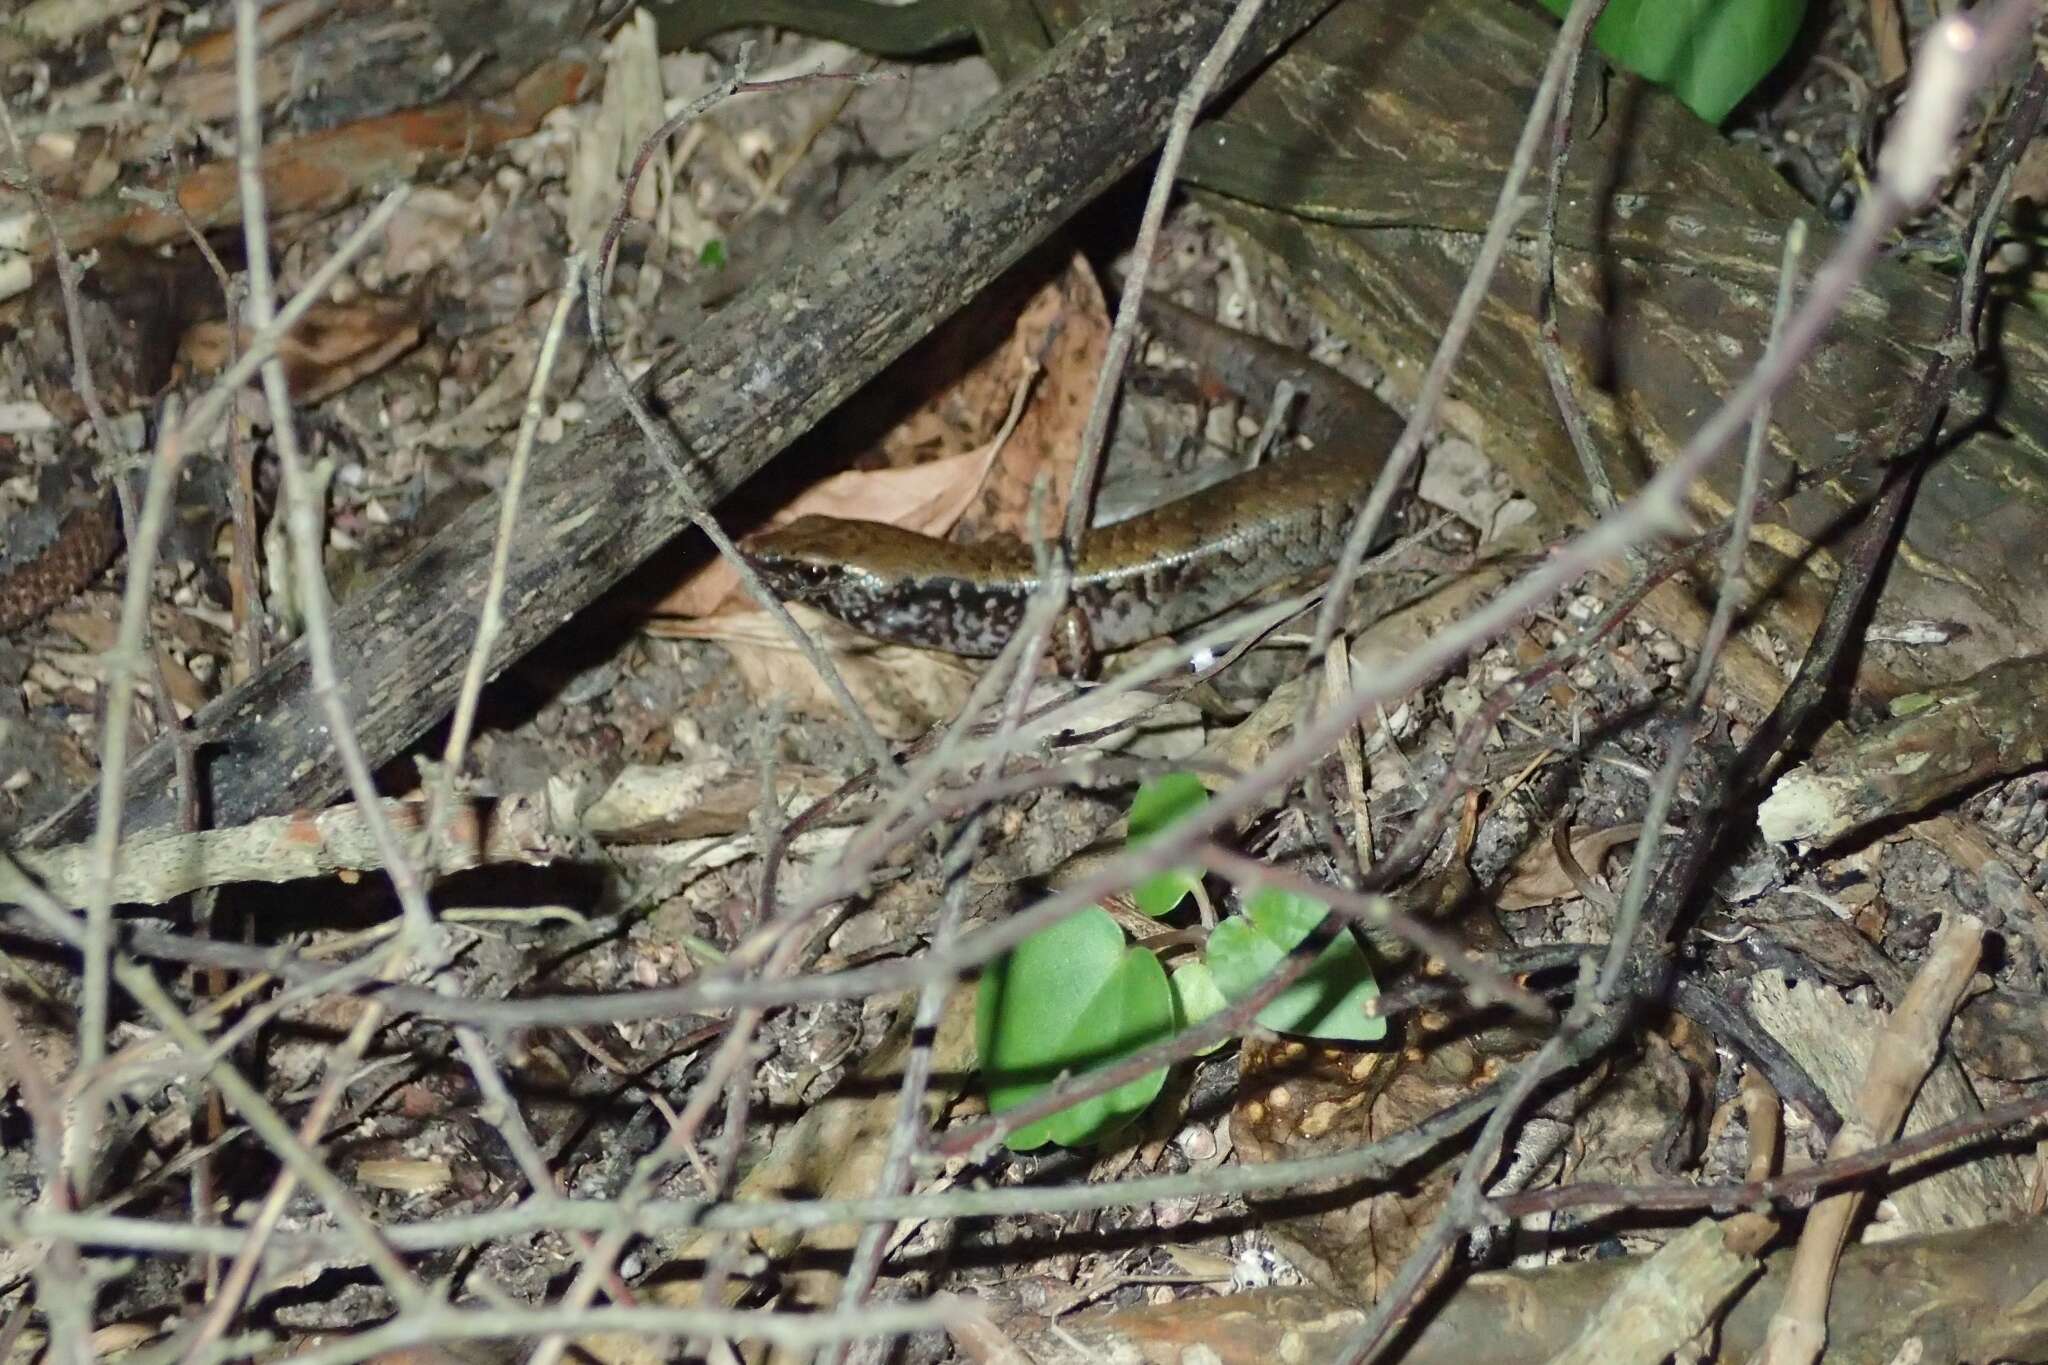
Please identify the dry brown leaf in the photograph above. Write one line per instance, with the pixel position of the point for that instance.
(1065, 330)
(1539, 880)
(904, 691)
(333, 347)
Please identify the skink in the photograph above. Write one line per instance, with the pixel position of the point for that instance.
(1153, 575)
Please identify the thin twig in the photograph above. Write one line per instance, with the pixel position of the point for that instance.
(302, 514)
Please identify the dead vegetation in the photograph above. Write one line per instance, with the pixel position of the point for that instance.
(451, 911)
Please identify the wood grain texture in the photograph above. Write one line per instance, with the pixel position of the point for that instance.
(1668, 255)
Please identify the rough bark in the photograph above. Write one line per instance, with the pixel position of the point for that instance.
(1668, 257)
(1965, 1296)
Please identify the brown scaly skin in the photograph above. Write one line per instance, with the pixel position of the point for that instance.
(83, 547)
(1149, 576)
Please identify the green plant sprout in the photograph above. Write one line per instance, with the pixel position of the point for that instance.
(1709, 53)
(1080, 996)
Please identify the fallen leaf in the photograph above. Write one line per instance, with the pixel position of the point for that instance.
(335, 345)
(1065, 331)
(1538, 879)
(904, 691)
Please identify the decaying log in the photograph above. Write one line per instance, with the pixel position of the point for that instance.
(1938, 743)
(1964, 1296)
(1668, 252)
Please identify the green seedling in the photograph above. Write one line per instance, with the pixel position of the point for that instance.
(1071, 999)
(1331, 1000)
(1079, 996)
(1709, 53)
(1156, 807)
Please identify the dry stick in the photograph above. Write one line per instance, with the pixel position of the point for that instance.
(1734, 1026)
(1764, 1113)
(1116, 356)
(909, 1134)
(227, 1300)
(283, 848)
(245, 603)
(1563, 389)
(303, 521)
(1900, 1059)
(245, 573)
(1508, 208)
(1665, 791)
(302, 515)
(554, 1214)
(1784, 1190)
(662, 440)
(1735, 554)
(282, 1141)
(1674, 1297)
(491, 618)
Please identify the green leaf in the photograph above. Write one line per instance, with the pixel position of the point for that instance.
(713, 254)
(1069, 1000)
(1710, 53)
(1329, 1001)
(1196, 997)
(1158, 805)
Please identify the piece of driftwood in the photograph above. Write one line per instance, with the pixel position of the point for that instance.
(759, 374)
(1670, 240)
(1972, 1295)
(1938, 743)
